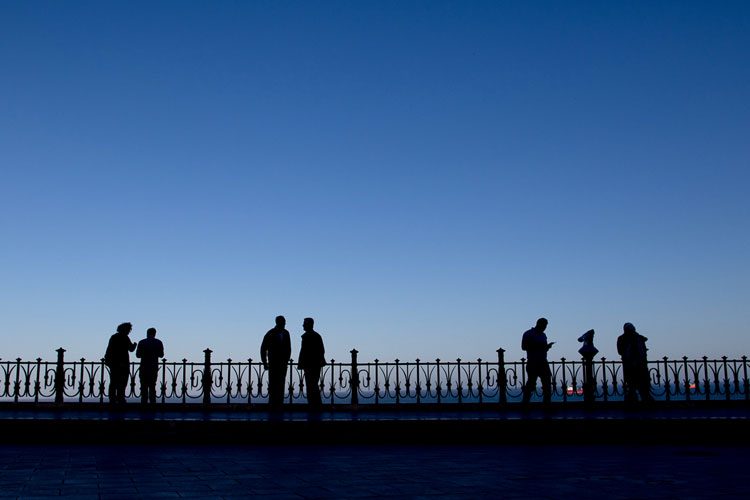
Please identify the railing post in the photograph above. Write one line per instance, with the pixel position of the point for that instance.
(398, 388)
(479, 377)
(354, 377)
(419, 387)
(38, 384)
(291, 380)
(667, 385)
(333, 382)
(588, 379)
(249, 380)
(460, 389)
(60, 376)
(502, 377)
(706, 381)
(377, 387)
(207, 377)
(437, 371)
(101, 380)
(17, 385)
(687, 378)
(726, 379)
(747, 382)
(163, 380)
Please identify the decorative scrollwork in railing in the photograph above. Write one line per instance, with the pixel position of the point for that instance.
(372, 383)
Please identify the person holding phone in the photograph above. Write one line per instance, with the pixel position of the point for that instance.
(534, 342)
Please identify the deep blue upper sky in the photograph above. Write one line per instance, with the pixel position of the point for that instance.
(423, 178)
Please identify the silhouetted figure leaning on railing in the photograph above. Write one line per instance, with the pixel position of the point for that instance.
(535, 344)
(631, 346)
(149, 350)
(117, 358)
(275, 352)
(311, 360)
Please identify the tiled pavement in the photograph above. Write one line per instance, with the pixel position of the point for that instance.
(358, 472)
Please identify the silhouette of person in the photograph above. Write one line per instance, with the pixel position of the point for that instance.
(117, 358)
(534, 342)
(631, 346)
(311, 360)
(149, 350)
(275, 351)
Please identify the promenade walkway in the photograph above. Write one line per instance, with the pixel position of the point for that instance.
(570, 425)
(86, 453)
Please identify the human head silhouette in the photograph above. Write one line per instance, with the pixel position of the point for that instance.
(541, 324)
(280, 321)
(307, 324)
(124, 328)
(151, 333)
(628, 328)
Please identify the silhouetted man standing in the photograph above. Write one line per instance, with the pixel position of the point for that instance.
(117, 358)
(311, 360)
(149, 350)
(535, 344)
(275, 352)
(631, 346)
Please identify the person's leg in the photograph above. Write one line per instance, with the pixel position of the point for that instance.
(276, 377)
(144, 388)
(531, 376)
(313, 389)
(546, 376)
(152, 388)
(644, 386)
(124, 378)
(113, 385)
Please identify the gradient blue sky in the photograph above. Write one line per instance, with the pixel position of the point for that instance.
(425, 179)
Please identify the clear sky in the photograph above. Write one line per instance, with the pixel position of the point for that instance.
(425, 179)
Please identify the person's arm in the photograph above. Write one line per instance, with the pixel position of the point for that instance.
(288, 346)
(161, 349)
(322, 353)
(302, 355)
(131, 345)
(263, 351)
(139, 351)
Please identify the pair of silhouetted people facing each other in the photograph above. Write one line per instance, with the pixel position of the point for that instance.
(117, 358)
(631, 346)
(149, 350)
(534, 342)
(275, 352)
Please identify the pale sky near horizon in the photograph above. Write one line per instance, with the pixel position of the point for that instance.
(425, 179)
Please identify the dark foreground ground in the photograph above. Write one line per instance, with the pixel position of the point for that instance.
(568, 425)
(359, 472)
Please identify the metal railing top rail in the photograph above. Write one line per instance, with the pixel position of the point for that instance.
(375, 382)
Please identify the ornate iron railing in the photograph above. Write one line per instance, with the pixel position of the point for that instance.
(373, 383)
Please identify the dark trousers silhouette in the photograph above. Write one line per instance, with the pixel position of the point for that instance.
(637, 381)
(312, 382)
(276, 380)
(118, 381)
(148, 386)
(535, 370)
